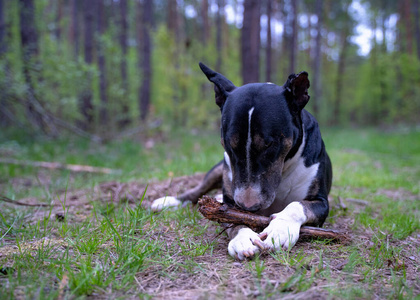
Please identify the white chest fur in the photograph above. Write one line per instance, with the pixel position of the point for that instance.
(296, 178)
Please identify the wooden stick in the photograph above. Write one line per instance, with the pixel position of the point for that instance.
(56, 165)
(5, 199)
(213, 210)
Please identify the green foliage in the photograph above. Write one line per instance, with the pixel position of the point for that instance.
(117, 246)
(382, 88)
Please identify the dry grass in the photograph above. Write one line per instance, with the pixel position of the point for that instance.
(375, 265)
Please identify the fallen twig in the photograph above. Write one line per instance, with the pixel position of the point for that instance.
(57, 165)
(213, 210)
(357, 201)
(5, 199)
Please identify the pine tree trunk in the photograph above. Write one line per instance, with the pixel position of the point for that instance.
(268, 49)
(58, 18)
(317, 77)
(417, 26)
(103, 111)
(219, 33)
(74, 27)
(205, 20)
(30, 50)
(125, 120)
(86, 103)
(293, 41)
(340, 71)
(147, 21)
(3, 49)
(3, 44)
(250, 41)
(408, 26)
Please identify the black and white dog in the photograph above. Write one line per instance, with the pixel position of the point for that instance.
(275, 163)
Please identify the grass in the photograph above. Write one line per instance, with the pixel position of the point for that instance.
(113, 249)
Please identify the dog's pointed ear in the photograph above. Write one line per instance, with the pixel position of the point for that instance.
(222, 85)
(296, 89)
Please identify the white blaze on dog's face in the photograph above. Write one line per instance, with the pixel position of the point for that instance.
(256, 143)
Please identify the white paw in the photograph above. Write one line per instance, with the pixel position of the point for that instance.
(281, 234)
(164, 202)
(242, 245)
(219, 198)
(283, 230)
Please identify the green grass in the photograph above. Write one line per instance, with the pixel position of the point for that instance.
(120, 250)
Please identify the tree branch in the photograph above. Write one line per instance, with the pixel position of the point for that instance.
(213, 210)
(57, 165)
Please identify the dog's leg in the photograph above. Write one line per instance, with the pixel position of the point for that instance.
(212, 180)
(283, 230)
(245, 243)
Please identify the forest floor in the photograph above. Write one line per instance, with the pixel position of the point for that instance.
(96, 236)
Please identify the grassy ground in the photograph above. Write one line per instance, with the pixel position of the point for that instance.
(99, 238)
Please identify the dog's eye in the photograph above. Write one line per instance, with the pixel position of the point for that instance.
(268, 145)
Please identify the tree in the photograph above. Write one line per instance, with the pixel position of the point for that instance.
(219, 32)
(103, 113)
(268, 49)
(250, 41)
(3, 44)
(125, 120)
(3, 49)
(58, 17)
(293, 41)
(86, 103)
(32, 67)
(417, 25)
(172, 19)
(317, 77)
(344, 34)
(205, 22)
(74, 26)
(146, 66)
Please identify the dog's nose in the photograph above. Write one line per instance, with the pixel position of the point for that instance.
(248, 198)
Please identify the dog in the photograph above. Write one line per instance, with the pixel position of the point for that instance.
(275, 162)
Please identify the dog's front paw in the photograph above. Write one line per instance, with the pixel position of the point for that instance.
(281, 233)
(283, 230)
(164, 202)
(244, 244)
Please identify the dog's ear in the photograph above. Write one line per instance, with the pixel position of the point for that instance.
(296, 89)
(222, 85)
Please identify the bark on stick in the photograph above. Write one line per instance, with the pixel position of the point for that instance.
(213, 210)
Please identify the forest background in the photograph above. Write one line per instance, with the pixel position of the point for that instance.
(103, 109)
(104, 68)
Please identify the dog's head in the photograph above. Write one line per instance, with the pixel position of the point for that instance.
(260, 126)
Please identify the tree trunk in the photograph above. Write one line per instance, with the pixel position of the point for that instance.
(125, 120)
(286, 38)
(30, 50)
(293, 41)
(250, 41)
(172, 19)
(74, 27)
(103, 111)
(147, 21)
(408, 26)
(219, 33)
(3, 49)
(3, 43)
(341, 68)
(317, 77)
(268, 49)
(86, 103)
(417, 26)
(205, 20)
(58, 18)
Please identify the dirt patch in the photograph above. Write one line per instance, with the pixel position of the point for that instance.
(312, 269)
